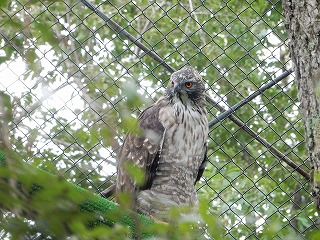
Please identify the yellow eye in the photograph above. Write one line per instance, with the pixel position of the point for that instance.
(188, 84)
(172, 83)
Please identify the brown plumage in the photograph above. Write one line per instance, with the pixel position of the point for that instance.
(171, 148)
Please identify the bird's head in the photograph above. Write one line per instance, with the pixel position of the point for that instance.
(186, 85)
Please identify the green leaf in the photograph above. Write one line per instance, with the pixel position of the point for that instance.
(47, 33)
(137, 174)
(4, 3)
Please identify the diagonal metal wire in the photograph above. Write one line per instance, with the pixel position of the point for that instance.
(264, 142)
(120, 30)
(255, 94)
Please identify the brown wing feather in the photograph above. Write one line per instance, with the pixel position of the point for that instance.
(141, 150)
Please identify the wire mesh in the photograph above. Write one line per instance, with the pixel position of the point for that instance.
(75, 85)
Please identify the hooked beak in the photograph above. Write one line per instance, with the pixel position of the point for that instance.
(176, 89)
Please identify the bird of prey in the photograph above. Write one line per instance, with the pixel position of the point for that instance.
(171, 148)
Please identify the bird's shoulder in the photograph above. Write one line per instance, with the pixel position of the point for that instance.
(150, 134)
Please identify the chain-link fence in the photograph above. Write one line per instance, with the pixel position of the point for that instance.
(75, 85)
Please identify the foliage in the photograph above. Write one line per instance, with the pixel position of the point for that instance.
(58, 209)
(81, 85)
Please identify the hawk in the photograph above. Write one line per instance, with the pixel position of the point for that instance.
(171, 148)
